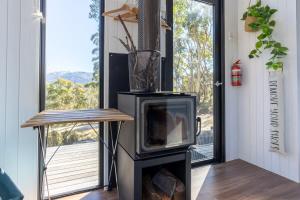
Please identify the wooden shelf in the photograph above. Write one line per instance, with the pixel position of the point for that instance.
(130, 14)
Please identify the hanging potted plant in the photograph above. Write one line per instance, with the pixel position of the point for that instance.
(255, 15)
(249, 17)
(265, 42)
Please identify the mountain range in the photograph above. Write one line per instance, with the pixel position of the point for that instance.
(76, 77)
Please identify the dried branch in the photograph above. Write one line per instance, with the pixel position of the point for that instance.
(157, 42)
(127, 47)
(127, 33)
(127, 42)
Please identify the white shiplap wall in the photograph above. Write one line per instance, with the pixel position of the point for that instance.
(253, 108)
(231, 46)
(19, 33)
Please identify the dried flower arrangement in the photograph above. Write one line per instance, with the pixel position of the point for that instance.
(144, 66)
(129, 45)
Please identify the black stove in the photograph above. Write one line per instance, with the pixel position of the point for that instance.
(164, 122)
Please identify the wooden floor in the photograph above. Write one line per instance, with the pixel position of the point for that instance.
(238, 180)
(235, 180)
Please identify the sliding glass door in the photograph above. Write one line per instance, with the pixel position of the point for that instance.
(196, 69)
(71, 59)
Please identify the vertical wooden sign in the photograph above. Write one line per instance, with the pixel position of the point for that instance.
(276, 112)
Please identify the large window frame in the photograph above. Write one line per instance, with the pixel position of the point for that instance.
(219, 74)
(42, 93)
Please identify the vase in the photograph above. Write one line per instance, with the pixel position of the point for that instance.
(276, 115)
(249, 20)
(144, 71)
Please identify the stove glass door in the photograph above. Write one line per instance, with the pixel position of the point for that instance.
(167, 124)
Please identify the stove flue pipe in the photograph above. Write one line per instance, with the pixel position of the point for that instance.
(149, 25)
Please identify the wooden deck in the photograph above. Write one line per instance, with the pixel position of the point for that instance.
(74, 167)
(202, 152)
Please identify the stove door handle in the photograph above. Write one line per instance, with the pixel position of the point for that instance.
(199, 124)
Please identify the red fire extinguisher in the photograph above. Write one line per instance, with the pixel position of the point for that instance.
(236, 74)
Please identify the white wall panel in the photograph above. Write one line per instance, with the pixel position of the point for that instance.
(298, 56)
(19, 94)
(253, 96)
(28, 99)
(12, 90)
(231, 101)
(3, 53)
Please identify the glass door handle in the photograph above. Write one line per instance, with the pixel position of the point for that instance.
(199, 124)
(218, 84)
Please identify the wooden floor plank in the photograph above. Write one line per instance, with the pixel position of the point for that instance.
(94, 195)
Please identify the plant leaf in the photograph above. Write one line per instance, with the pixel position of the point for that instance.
(258, 3)
(284, 49)
(272, 11)
(244, 16)
(277, 45)
(254, 51)
(269, 63)
(259, 44)
(272, 23)
(262, 36)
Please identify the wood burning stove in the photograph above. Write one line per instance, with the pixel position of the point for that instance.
(164, 122)
(155, 146)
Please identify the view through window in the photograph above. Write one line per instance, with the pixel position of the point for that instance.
(72, 82)
(193, 65)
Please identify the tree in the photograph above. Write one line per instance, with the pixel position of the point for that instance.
(193, 51)
(92, 94)
(59, 95)
(95, 14)
(54, 139)
(65, 95)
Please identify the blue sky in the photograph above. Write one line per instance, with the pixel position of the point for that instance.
(68, 45)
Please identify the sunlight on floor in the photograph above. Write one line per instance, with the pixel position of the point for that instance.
(198, 177)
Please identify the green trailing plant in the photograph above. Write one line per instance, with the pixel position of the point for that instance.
(265, 24)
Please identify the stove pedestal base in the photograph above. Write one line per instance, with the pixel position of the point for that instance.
(131, 172)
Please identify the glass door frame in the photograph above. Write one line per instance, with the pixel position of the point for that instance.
(219, 75)
(42, 94)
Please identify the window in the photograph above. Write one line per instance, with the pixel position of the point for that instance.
(72, 61)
